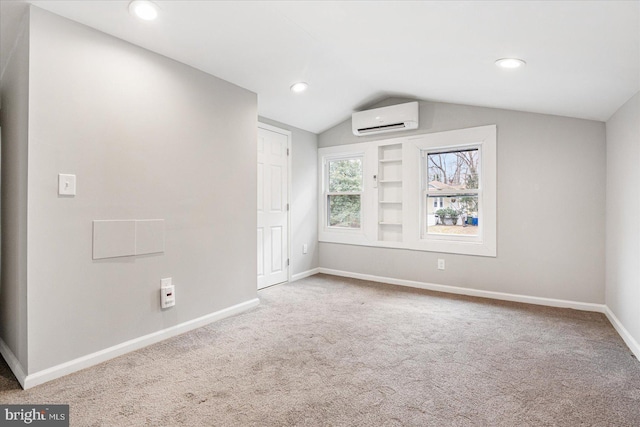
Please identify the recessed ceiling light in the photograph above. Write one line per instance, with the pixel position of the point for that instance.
(510, 63)
(143, 9)
(299, 87)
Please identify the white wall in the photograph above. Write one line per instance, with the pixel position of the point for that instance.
(623, 211)
(148, 138)
(551, 192)
(14, 91)
(304, 197)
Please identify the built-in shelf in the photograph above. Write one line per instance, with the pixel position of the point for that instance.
(390, 193)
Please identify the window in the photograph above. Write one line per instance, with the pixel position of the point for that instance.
(344, 192)
(451, 179)
(432, 192)
(457, 171)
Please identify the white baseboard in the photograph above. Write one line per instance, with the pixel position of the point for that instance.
(92, 359)
(622, 331)
(304, 274)
(551, 302)
(28, 381)
(13, 362)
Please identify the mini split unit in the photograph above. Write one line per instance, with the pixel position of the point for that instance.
(386, 119)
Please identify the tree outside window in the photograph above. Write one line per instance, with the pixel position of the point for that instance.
(453, 177)
(344, 196)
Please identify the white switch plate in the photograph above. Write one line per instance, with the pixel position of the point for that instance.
(66, 184)
(304, 248)
(440, 264)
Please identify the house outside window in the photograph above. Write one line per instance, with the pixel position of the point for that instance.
(451, 178)
(459, 167)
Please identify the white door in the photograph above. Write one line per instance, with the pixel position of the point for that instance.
(273, 205)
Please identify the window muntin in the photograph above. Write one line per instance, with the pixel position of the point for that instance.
(344, 192)
(451, 179)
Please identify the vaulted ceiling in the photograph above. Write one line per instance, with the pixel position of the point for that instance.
(583, 57)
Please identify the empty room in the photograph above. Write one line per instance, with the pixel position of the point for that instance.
(319, 213)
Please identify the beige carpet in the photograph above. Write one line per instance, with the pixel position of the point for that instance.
(326, 351)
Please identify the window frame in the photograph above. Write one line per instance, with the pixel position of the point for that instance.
(328, 194)
(441, 194)
(485, 244)
(326, 233)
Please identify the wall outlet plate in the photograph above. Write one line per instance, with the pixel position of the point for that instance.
(167, 296)
(440, 264)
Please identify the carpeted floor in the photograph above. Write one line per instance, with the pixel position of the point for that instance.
(327, 351)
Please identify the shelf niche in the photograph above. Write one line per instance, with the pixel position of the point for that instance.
(390, 193)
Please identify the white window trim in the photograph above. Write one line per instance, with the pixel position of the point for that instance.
(328, 193)
(444, 193)
(327, 233)
(485, 244)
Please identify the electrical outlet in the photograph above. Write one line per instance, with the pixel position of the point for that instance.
(440, 264)
(304, 248)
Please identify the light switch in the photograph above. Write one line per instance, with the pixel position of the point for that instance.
(66, 185)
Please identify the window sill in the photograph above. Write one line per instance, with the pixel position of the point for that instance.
(460, 248)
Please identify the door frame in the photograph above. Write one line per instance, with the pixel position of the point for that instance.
(286, 133)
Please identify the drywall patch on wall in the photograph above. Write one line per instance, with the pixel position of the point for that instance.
(121, 238)
(114, 239)
(149, 236)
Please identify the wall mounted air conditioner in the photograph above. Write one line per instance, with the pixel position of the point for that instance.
(386, 119)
